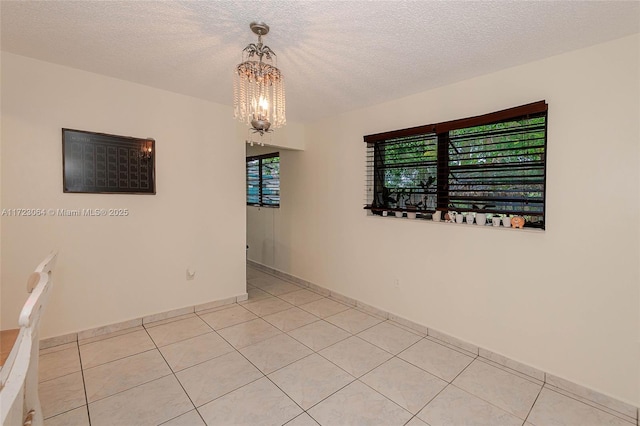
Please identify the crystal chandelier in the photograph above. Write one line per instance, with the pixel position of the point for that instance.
(258, 87)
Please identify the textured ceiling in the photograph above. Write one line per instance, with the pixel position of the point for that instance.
(336, 55)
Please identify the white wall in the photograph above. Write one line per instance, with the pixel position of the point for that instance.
(118, 268)
(265, 225)
(291, 136)
(565, 300)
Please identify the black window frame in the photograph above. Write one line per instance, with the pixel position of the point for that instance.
(261, 195)
(443, 191)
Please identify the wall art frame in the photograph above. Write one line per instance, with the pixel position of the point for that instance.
(101, 163)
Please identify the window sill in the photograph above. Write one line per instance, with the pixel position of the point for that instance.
(457, 225)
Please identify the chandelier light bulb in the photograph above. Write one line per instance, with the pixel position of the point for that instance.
(263, 107)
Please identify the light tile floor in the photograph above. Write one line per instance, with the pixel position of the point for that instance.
(291, 356)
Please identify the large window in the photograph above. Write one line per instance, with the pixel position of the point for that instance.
(495, 163)
(263, 180)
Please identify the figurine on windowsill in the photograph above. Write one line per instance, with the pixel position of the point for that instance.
(517, 222)
(450, 216)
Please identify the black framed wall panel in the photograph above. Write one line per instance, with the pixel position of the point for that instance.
(107, 164)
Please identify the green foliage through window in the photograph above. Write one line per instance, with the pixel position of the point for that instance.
(263, 180)
(494, 164)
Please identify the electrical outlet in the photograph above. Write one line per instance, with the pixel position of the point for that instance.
(396, 283)
(190, 274)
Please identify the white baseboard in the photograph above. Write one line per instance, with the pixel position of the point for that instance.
(111, 328)
(587, 395)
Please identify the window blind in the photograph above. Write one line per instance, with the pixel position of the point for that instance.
(263, 180)
(493, 163)
(498, 167)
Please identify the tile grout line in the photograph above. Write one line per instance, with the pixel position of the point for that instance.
(299, 306)
(182, 340)
(433, 339)
(133, 387)
(430, 373)
(451, 384)
(356, 379)
(417, 366)
(58, 377)
(84, 385)
(314, 352)
(494, 364)
(198, 363)
(431, 400)
(321, 319)
(380, 393)
(240, 387)
(316, 320)
(533, 405)
(489, 402)
(609, 410)
(144, 326)
(232, 325)
(589, 403)
(120, 359)
(175, 377)
(302, 343)
(409, 421)
(237, 350)
(286, 394)
(463, 370)
(358, 332)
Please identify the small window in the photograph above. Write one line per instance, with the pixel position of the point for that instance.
(495, 163)
(263, 180)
